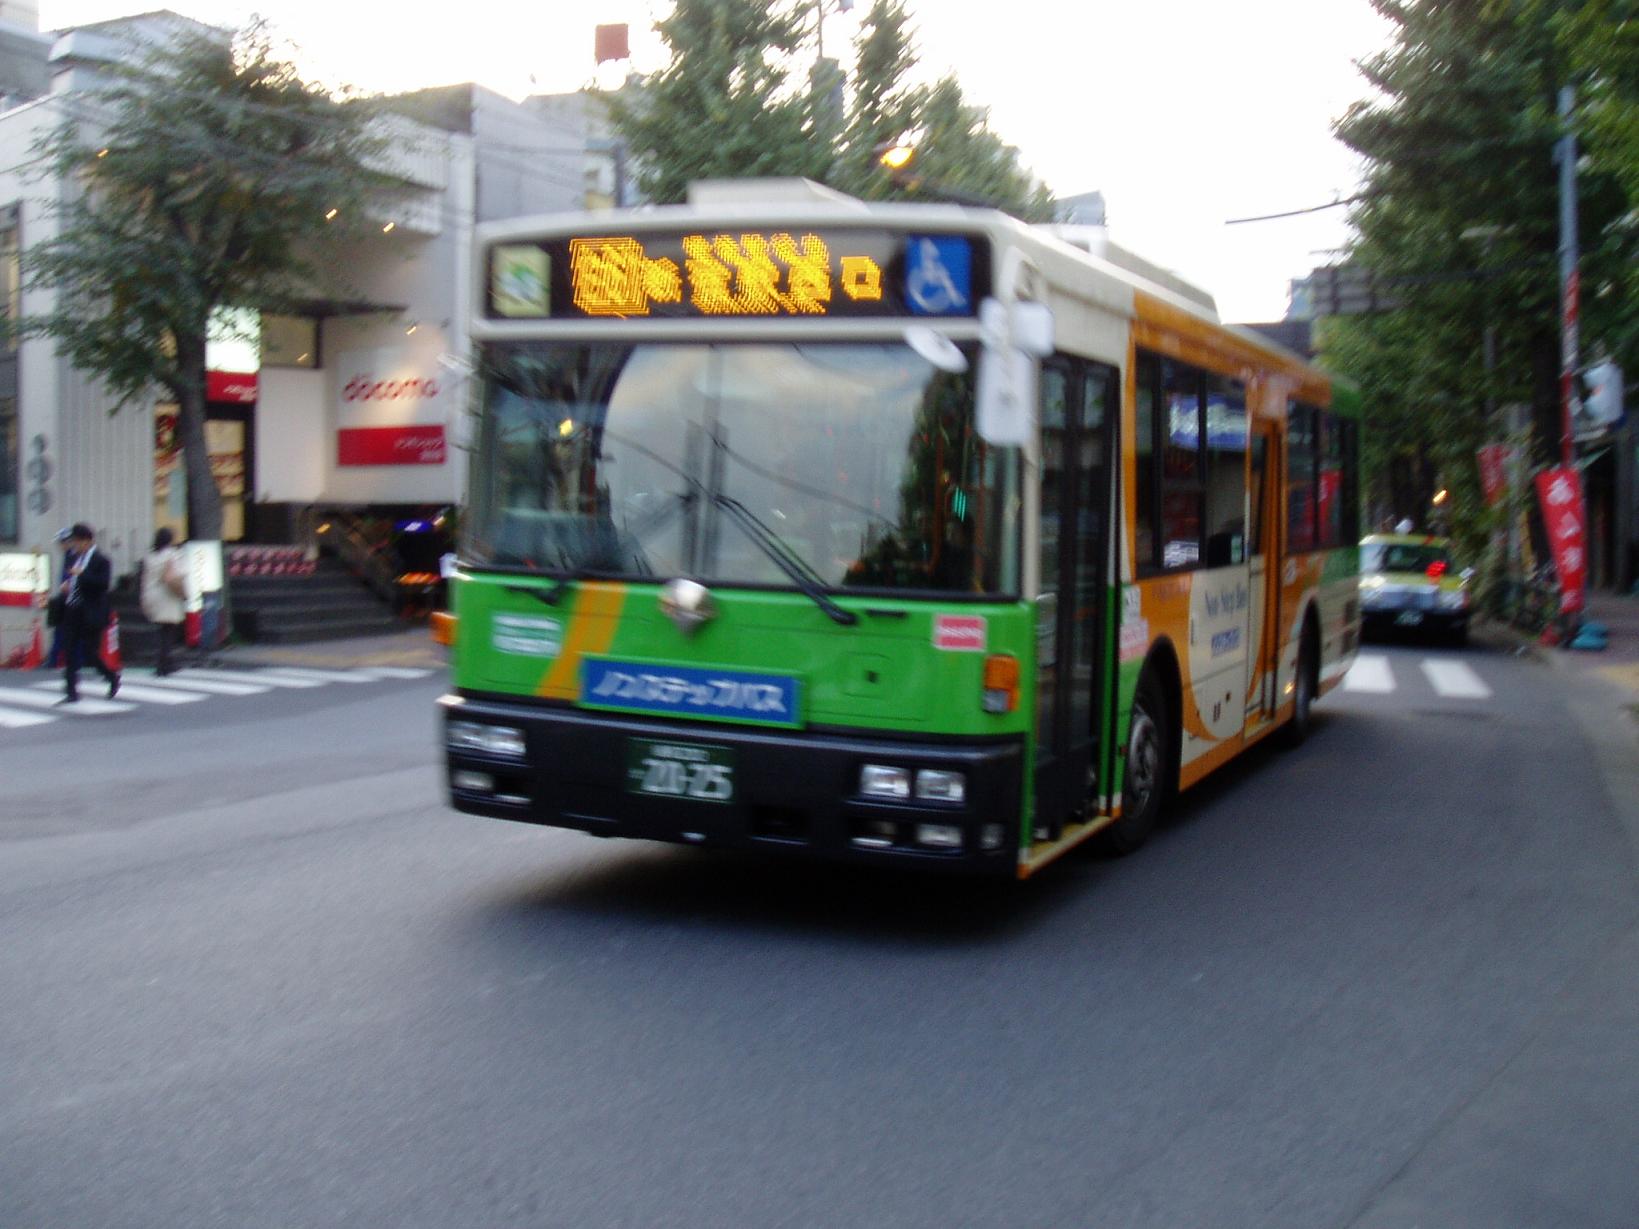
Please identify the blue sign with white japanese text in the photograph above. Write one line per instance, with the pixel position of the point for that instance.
(686, 691)
(939, 275)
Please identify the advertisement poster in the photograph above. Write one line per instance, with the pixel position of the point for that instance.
(1560, 490)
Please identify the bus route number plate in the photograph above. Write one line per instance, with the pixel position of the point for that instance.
(680, 770)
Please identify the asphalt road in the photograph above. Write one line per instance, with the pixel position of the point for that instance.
(254, 973)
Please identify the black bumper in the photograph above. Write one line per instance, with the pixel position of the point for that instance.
(794, 791)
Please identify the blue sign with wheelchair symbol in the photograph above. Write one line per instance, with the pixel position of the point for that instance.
(939, 275)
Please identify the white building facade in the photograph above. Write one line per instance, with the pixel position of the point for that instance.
(358, 403)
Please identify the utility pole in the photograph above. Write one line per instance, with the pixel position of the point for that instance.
(1569, 280)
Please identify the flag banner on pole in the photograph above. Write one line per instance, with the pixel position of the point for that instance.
(1560, 490)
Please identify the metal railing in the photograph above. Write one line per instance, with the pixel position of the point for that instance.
(342, 534)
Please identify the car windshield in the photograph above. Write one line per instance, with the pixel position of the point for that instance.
(842, 466)
(1402, 557)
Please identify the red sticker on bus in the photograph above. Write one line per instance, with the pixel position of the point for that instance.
(963, 633)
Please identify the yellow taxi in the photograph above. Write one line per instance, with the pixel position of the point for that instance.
(1409, 582)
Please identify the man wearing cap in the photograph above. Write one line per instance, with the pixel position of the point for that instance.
(85, 612)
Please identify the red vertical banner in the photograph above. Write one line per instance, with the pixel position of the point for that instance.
(1494, 472)
(1560, 490)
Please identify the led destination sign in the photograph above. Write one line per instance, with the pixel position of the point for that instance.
(795, 273)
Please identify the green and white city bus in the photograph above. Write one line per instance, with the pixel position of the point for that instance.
(886, 533)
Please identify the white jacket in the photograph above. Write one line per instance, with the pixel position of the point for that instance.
(159, 604)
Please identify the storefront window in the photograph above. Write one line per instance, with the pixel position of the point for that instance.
(290, 341)
(10, 470)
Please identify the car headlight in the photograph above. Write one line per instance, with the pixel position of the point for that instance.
(504, 740)
(1452, 599)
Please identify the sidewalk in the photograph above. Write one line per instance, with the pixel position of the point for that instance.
(411, 647)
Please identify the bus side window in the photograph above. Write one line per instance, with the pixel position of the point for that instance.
(1148, 379)
(1226, 472)
(1260, 448)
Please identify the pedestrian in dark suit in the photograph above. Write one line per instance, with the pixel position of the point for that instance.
(58, 657)
(85, 612)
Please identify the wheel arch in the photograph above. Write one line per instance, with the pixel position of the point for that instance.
(1162, 661)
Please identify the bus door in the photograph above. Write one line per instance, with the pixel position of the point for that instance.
(1263, 499)
(1078, 401)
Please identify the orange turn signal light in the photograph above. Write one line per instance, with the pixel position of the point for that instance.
(1001, 683)
(442, 623)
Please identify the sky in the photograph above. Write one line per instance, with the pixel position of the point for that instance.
(1184, 113)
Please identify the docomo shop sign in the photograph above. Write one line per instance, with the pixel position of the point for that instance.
(407, 390)
(390, 412)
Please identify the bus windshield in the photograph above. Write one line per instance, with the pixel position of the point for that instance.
(859, 463)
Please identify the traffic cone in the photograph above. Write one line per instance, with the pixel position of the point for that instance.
(111, 645)
(36, 655)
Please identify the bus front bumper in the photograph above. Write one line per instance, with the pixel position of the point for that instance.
(795, 791)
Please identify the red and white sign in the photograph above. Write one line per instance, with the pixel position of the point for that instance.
(1560, 490)
(416, 445)
(960, 633)
(25, 579)
(233, 387)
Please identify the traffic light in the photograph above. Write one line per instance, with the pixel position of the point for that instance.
(1600, 389)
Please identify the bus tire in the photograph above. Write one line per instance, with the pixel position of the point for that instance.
(1303, 688)
(1144, 785)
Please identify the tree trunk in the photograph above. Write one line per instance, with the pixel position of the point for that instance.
(204, 500)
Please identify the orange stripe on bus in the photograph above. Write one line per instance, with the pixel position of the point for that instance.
(591, 630)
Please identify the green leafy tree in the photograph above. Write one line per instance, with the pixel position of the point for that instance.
(727, 105)
(1460, 215)
(210, 175)
(960, 155)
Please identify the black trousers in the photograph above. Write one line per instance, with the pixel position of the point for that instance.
(82, 645)
(170, 638)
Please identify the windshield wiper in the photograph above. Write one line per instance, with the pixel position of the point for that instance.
(787, 560)
(800, 571)
(549, 597)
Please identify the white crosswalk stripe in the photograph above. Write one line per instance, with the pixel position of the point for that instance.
(1455, 680)
(36, 703)
(140, 692)
(317, 676)
(1369, 673)
(87, 707)
(229, 676)
(1451, 679)
(191, 685)
(11, 719)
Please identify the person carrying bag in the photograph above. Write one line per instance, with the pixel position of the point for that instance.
(165, 595)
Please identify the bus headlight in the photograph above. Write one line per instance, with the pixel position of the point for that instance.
(503, 740)
(936, 785)
(1452, 599)
(884, 781)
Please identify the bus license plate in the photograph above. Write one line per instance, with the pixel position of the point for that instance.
(680, 770)
(1409, 618)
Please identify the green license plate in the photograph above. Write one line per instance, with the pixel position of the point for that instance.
(680, 770)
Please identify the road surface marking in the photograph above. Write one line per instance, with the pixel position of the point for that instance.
(257, 676)
(197, 686)
(1369, 673)
(303, 674)
(1455, 680)
(12, 719)
(394, 672)
(138, 691)
(86, 707)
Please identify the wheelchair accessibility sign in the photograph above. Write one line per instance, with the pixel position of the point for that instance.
(939, 275)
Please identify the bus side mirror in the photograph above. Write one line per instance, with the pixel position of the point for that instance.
(1032, 328)
(1014, 337)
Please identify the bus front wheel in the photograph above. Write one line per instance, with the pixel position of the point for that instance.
(1144, 781)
